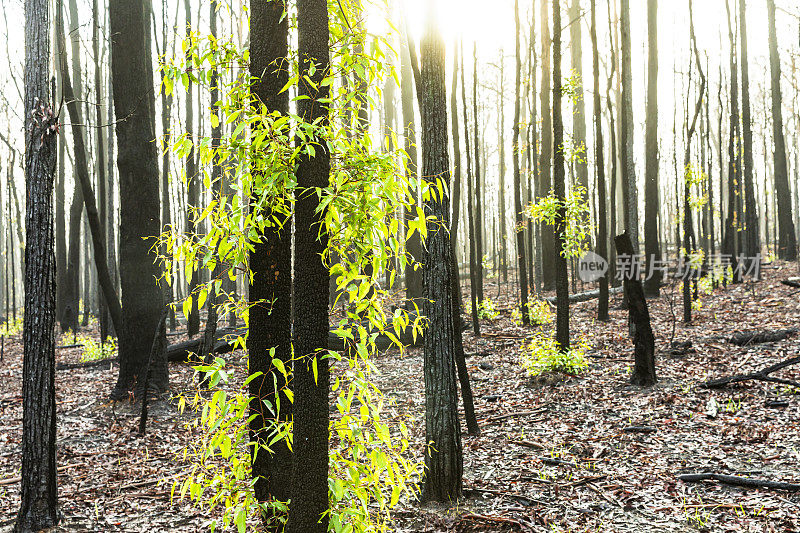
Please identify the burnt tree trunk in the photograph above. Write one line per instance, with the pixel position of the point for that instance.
(443, 459)
(308, 511)
(787, 243)
(522, 271)
(602, 231)
(137, 162)
(271, 285)
(644, 369)
(560, 191)
(39, 491)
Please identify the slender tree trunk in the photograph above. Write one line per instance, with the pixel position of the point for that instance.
(271, 285)
(579, 106)
(60, 225)
(166, 117)
(522, 271)
(473, 256)
(460, 358)
(602, 233)
(631, 195)
(612, 130)
(652, 204)
(478, 193)
(100, 159)
(688, 233)
(752, 246)
(732, 241)
(560, 191)
(534, 234)
(787, 243)
(545, 183)
(39, 490)
(192, 185)
(137, 161)
(501, 212)
(308, 511)
(443, 458)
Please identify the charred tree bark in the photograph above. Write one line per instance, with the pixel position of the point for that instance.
(644, 369)
(443, 459)
(473, 269)
(308, 511)
(787, 242)
(522, 270)
(630, 191)
(137, 162)
(652, 204)
(602, 233)
(751, 244)
(478, 193)
(560, 191)
(39, 491)
(545, 182)
(271, 285)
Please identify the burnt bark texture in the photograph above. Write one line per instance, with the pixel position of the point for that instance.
(560, 191)
(443, 458)
(652, 250)
(787, 241)
(271, 264)
(137, 163)
(602, 229)
(630, 192)
(461, 362)
(192, 184)
(473, 286)
(751, 238)
(307, 513)
(522, 270)
(544, 183)
(644, 367)
(39, 491)
(478, 194)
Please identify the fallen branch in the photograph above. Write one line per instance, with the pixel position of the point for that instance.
(792, 282)
(17, 479)
(761, 375)
(529, 444)
(745, 338)
(739, 481)
(585, 296)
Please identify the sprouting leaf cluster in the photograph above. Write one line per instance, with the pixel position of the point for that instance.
(578, 227)
(487, 309)
(543, 354)
(366, 206)
(538, 313)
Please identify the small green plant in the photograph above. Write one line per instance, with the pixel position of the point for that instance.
(95, 351)
(538, 313)
(543, 354)
(487, 310)
(733, 406)
(11, 327)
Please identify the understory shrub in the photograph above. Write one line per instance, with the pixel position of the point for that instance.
(543, 354)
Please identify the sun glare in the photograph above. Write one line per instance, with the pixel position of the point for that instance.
(487, 23)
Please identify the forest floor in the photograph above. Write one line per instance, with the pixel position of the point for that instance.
(555, 453)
